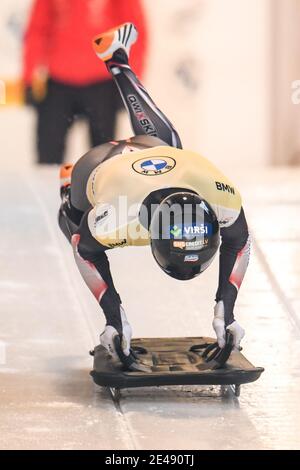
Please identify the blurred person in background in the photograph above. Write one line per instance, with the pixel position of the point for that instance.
(61, 72)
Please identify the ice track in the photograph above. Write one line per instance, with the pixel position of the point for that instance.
(49, 321)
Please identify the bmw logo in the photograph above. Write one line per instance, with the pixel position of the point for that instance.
(154, 166)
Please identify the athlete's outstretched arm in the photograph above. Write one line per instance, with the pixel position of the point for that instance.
(94, 267)
(146, 117)
(234, 258)
(92, 263)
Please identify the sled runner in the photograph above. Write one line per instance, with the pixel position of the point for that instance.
(174, 361)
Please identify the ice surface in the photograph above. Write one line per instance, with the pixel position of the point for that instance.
(49, 321)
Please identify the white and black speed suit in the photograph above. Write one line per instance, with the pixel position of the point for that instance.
(78, 212)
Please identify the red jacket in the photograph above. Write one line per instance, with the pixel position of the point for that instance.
(60, 33)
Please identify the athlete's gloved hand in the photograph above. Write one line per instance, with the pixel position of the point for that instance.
(107, 337)
(106, 340)
(219, 326)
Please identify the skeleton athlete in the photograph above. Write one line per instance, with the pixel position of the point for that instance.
(147, 190)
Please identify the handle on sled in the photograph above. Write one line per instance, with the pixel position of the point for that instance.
(214, 356)
(127, 361)
(130, 362)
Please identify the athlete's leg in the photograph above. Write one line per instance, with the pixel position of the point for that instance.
(234, 259)
(146, 118)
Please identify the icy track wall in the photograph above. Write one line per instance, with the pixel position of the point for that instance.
(211, 77)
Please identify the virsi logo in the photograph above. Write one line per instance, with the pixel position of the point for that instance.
(190, 231)
(224, 187)
(176, 231)
(196, 229)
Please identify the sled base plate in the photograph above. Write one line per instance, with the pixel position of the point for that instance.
(172, 361)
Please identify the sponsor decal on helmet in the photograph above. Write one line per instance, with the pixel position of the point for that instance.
(199, 229)
(191, 258)
(190, 230)
(175, 231)
(154, 166)
(196, 245)
(179, 244)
